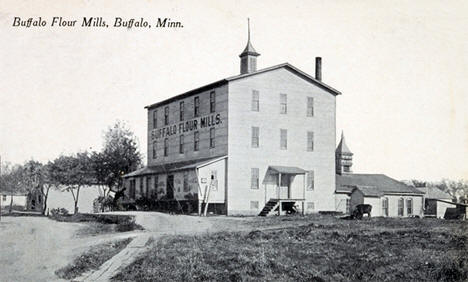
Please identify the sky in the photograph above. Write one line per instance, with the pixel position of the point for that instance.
(401, 67)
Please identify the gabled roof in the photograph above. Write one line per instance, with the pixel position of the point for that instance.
(342, 147)
(218, 83)
(379, 182)
(171, 167)
(369, 191)
(434, 193)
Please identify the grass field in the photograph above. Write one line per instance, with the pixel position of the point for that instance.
(312, 248)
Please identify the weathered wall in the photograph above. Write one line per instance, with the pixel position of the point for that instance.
(242, 157)
(340, 202)
(218, 189)
(221, 128)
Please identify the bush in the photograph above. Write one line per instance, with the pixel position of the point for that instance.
(59, 212)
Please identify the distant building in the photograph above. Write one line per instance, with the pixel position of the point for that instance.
(387, 196)
(436, 201)
(260, 142)
(17, 201)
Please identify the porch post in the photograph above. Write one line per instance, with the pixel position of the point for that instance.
(303, 193)
(279, 195)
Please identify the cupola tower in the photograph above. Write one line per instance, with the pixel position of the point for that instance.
(343, 157)
(249, 56)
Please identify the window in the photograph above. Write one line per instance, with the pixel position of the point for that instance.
(310, 106)
(148, 185)
(181, 110)
(346, 168)
(283, 139)
(310, 141)
(166, 115)
(4, 197)
(348, 206)
(212, 137)
(186, 181)
(155, 119)
(310, 180)
(409, 206)
(166, 147)
(196, 106)
(385, 206)
(155, 152)
(141, 186)
(212, 102)
(196, 140)
(255, 101)
(255, 136)
(254, 205)
(181, 144)
(311, 206)
(254, 172)
(283, 103)
(401, 208)
(132, 188)
(214, 180)
(155, 184)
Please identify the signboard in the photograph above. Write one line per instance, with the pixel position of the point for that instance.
(186, 126)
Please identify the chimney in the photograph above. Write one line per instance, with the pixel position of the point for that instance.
(318, 68)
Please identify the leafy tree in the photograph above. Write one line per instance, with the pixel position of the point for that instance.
(73, 172)
(120, 155)
(11, 181)
(456, 188)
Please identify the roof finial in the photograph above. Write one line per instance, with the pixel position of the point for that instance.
(248, 28)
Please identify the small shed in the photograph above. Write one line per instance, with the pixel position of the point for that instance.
(436, 201)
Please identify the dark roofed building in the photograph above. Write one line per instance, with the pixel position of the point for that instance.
(388, 197)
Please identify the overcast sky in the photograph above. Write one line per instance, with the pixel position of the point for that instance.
(402, 67)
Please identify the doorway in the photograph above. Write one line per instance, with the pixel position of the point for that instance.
(170, 187)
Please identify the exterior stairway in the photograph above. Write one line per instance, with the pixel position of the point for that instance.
(271, 205)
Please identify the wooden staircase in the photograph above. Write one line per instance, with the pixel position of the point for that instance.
(271, 205)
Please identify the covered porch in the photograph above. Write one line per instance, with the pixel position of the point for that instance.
(281, 192)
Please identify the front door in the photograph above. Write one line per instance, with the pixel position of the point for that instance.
(170, 187)
(284, 187)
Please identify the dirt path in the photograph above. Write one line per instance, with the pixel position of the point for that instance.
(32, 248)
(119, 261)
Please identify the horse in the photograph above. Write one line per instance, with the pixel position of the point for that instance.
(362, 209)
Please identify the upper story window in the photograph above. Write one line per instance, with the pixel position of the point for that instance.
(255, 101)
(254, 183)
(310, 180)
(155, 152)
(181, 110)
(181, 144)
(283, 139)
(155, 118)
(196, 106)
(166, 147)
(212, 137)
(212, 101)
(310, 106)
(196, 140)
(166, 115)
(310, 141)
(255, 136)
(283, 103)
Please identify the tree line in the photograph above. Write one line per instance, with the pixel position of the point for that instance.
(104, 169)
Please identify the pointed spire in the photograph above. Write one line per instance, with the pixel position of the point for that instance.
(249, 49)
(342, 147)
